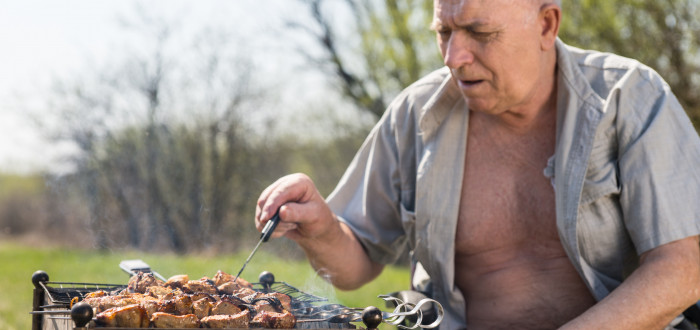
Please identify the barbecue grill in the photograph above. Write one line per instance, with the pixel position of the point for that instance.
(57, 306)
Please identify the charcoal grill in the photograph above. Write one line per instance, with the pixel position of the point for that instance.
(56, 306)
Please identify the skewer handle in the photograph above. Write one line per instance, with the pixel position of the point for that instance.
(270, 227)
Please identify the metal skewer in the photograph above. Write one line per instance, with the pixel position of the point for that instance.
(264, 237)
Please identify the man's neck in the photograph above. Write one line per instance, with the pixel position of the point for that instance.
(539, 110)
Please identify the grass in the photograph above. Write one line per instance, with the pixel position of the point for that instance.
(18, 262)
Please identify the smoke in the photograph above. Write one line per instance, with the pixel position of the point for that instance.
(320, 285)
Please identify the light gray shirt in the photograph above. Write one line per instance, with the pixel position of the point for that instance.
(626, 173)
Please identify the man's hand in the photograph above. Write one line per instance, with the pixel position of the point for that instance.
(303, 212)
(330, 245)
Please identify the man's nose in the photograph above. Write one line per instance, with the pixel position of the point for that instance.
(458, 51)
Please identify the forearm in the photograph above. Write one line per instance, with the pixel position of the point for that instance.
(339, 257)
(666, 283)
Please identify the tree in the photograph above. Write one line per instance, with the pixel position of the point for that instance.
(389, 48)
(159, 157)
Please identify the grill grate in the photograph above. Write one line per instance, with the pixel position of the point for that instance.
(62, 293)
(296, 294)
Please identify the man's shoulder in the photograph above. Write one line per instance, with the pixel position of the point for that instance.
(605, 71)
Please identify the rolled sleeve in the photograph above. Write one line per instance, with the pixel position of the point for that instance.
(659, 166)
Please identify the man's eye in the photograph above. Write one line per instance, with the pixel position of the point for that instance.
(485, 36)
(443, 33)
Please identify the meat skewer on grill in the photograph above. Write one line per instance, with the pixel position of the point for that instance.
(271, 304)
(183, 303)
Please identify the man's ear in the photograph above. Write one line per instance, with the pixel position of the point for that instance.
(549, 19)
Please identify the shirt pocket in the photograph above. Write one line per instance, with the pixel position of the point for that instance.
(603, 240)
(601, 180)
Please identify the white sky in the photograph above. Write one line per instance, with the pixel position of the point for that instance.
(40, 39)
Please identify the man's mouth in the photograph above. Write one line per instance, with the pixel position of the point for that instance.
(470, 82)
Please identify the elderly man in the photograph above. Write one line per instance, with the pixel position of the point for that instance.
(539, 185)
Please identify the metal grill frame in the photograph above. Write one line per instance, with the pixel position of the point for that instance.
(52, 302)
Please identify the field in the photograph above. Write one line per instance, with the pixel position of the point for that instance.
(18, 262)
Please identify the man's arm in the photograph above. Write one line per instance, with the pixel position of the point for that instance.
(665, 284)
(331, 247)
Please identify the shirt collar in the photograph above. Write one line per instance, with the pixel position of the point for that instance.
(439, 104)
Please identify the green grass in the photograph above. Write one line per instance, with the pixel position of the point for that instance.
(19, 262)
(11, 184)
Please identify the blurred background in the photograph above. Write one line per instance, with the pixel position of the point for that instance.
(151, 127)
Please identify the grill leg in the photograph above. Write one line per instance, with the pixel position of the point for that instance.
(39, 298)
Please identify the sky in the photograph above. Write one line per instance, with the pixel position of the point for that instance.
(41, 39)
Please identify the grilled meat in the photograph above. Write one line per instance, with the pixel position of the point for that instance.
(274, 320)
(222, 278)
(177, 281)
(162, 292)
(264, 305)
(202, 307)
(103, 303)
(236, 321)
(201, 295)
(182, 303)
(150, 306)
(96, 294)
(165, 320)
(227, 305)
(228, 288)
(141, 281)
(131, 316)
(283, 299)
(203, 285)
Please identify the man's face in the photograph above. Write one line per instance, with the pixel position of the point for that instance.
(493, 50)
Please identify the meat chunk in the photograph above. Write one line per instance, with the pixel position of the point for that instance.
(103, 303)
(202, 307)
(264, 305)
(221, 278)
(225, 306)
(177, 281)
(283, 299)
(162, 292)
(228, 288)
(201, 295)
(165, 320)
(96, 294)
(274, 320)
(180, 305)
(131, 316)
(203, 285)
(240, 320)
(141, 281)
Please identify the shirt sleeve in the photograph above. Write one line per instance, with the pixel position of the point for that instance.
(659, 164)
(367, 197)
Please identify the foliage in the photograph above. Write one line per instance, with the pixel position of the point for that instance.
(662, 34)
(389, 48)
(69, 265)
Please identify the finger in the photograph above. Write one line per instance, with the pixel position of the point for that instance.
(283, 228)
(263, 199)
(312, 218)
(292, 188)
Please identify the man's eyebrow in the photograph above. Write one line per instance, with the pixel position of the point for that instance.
(437, 25)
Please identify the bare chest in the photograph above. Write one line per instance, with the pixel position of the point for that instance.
(506, 200)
